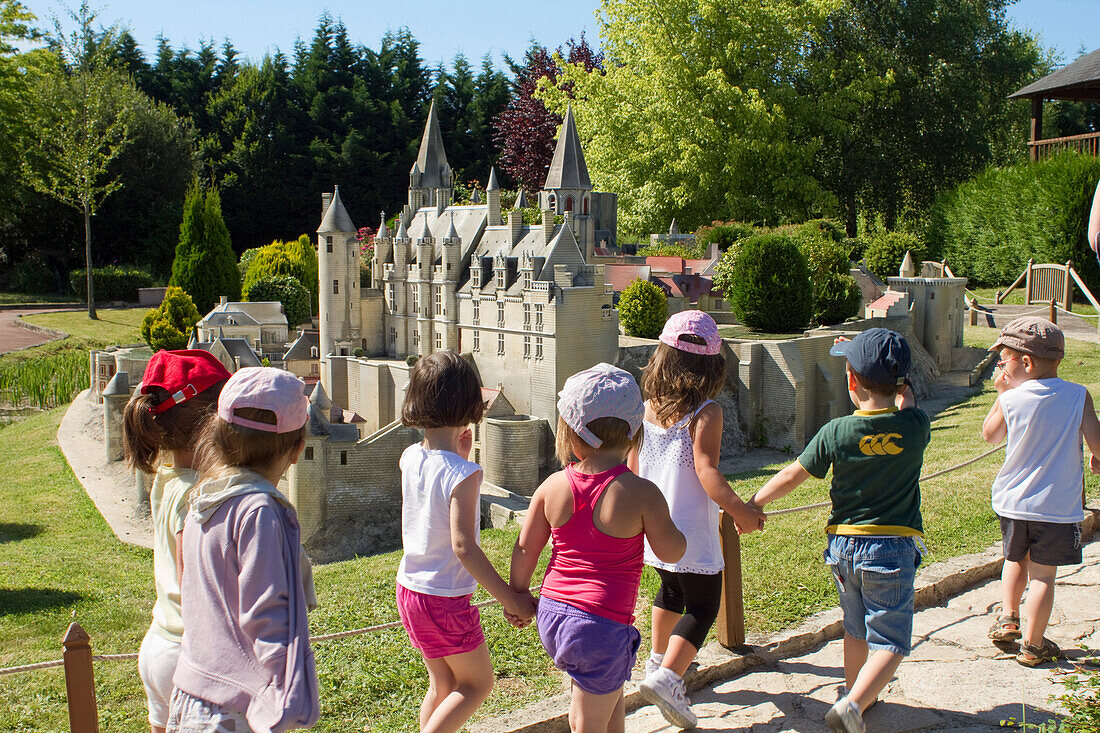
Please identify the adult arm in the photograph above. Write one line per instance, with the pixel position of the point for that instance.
(707, 446)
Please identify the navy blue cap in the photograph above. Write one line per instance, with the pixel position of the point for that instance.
(879, 354)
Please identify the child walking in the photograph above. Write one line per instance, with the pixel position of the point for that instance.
(442, 563)
(246, 663)
(876, 455)
(683, 438)
(162, 420)
(1037, 493)
(596, 512)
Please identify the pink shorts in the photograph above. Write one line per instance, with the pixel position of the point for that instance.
(439, 626)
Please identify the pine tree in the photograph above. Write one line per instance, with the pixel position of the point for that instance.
(205, 266)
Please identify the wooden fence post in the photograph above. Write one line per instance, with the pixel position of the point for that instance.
(731, 612)
(1067, 293)
(80, 681)
(1053, 312)
(1027, 281)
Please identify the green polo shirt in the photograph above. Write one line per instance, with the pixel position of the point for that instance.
(876, 458)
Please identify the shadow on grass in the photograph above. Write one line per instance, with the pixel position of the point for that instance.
(14, 531)
(29, 600)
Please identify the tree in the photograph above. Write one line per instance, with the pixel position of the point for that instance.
(205, 266)
(87, 114)
(287, 291)
(643, 309)
(169, 325)
(15, 96)
(296, 258)
(771, 285)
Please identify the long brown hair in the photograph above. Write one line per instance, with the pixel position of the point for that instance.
(676, 382)
(146, 433)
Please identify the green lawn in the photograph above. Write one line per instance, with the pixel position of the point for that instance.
(9, 298)
(114, 326)
(59, 562)
(987, 296)
(744, 333)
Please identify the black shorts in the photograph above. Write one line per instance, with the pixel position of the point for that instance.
(1049, 543)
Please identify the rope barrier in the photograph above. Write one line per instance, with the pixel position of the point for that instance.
(31, 667)
(1079, 315)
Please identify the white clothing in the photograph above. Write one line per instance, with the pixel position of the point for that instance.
(169, 500)
(1040, 480)
(156, 665)
(428, 564)
(667, 458)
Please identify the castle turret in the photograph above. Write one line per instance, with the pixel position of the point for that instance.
(338, 273)
(383, 253)
(401, 244)
(421, 277)
(115, 396)
(430, 181)
(448, 318)
(492, 194)
(568, 189)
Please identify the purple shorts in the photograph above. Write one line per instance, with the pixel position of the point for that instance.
(596, 652)
(439, 626)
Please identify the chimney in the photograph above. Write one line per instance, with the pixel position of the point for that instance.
(515, 224)
(326, 199)
(223, 300)
(547, 226)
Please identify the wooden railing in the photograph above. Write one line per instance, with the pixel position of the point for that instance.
(1087, 143)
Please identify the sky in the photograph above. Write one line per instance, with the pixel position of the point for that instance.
(446, 27)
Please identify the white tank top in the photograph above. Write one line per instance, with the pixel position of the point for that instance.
(667, 458)
(1041, 477)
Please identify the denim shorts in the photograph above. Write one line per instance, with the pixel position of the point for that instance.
(874, 577)
(596, 652)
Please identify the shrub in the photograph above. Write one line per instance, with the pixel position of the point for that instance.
(296, 258)
(411, 359)
(357, 352)
(111, 283)
(771, 285)
(836, 294)
(885, 251)
(204, 265)
(643, 308)
(30, 275)
(836, 298)
(246, 261)
(673, 250)
(726, 234)
(989, 226)
(169, 325)
(287, 291)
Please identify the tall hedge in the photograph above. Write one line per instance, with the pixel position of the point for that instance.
(771, 288)
(205, 266)
(113, 282)
(169, 325)
(988, 227)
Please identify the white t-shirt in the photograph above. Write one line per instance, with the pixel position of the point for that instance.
(667, 458)
(169, 500)
(429, 565)
(1041, 477)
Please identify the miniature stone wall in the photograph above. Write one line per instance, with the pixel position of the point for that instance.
(513, 452)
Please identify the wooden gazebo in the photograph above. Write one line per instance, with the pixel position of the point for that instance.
(1076, 82)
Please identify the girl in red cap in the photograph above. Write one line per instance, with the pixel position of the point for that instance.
(160, 424)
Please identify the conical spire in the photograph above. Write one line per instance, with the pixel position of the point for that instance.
(402, 233)
(432, 158)
(673, 230)
(336, 218)
(425, 232)
(521, 200)
(908, 268)
(475, 196)
(382, 230)
(567, 169)
(452, 233)
(493, 185)
(320, 397)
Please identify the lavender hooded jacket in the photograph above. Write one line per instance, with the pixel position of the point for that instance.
(246, 636)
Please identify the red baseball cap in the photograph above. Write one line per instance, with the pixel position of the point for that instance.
(183, 374)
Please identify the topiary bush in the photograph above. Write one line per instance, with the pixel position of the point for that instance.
(169, 325)
(111, 283)
(286, 290)
(836, 294)
(296, 258)
(205, 266)
(837, 298)
(884, 251)
(771, 288)
(989, 226)
(643, 309)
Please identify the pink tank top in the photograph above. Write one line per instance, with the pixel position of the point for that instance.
(588, 569)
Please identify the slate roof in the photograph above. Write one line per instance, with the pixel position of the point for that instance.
(303, 345)
(229, 318)
(1077, 80)
(568, 169)
(240, 350)
(431, 160)
(336, 218)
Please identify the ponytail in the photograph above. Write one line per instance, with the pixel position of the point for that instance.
(146, 434)
(142, 437)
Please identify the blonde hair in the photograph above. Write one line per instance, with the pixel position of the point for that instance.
(613, 432)
(676, 382)
(225, 445)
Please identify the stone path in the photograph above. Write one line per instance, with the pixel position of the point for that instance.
(14, 337)
(954, 680)
(1074, 326)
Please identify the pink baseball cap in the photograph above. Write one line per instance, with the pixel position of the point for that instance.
(264, 388)
(696, 323)
(602, 391)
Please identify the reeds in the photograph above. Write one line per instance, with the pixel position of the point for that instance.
(46, 381)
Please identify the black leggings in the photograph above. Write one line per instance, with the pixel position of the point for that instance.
(696, 597)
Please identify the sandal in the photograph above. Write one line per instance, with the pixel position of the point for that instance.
(1033, 656)
(1005, 628)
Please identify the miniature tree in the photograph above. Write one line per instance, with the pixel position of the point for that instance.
(771, 288)
(296, 259)
(643, 308)
(287, 291)
(205, 265)
(885, 251)
(169, 325)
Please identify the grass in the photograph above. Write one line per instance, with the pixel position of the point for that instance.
(744, 333)
(19, 298)
(988, 295)
(115, 325)
(59, 562)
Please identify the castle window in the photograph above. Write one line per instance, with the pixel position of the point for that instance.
(438, 341)
(335, 287)
(393, 337)
(568, 203)
(500, 312)
(477, 431)
(606, 311)
(526, 347)
(475, 273)
(552, 202)
(500, 344)
(500, 279)
(584, 207)
(477, 312)
(328, 244)
(416, 337)
(343, 458)
(527, 280)
(416, 297)
(477, 340)
(439, 300)
(538, 347)
(314, 352)
(309, 453)
(538, 317)
(477, 455)
(526, 314)
(314, 370)
(391, 292)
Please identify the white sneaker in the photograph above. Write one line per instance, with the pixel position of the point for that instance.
(665, 690)
(845, 717)
(652, 664)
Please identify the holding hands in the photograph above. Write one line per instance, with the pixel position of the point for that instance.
(520, 609)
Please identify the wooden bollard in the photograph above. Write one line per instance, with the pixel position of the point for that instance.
(1053, 312)
(731, 612)
(80, 681)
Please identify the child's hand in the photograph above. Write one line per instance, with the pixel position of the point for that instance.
(1000, 381)
(465, 443)
(838, 339)
(520, 608)
(748, 518)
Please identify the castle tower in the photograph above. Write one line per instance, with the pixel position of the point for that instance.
(338, 273)
(115, 396)
(448, 277)
(306, 478)
(492, 194)
(397, 293)
(430, 181)
(421, 277)
(383, 253)
(568, 189)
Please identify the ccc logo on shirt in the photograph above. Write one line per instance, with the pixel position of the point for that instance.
(881, 444)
